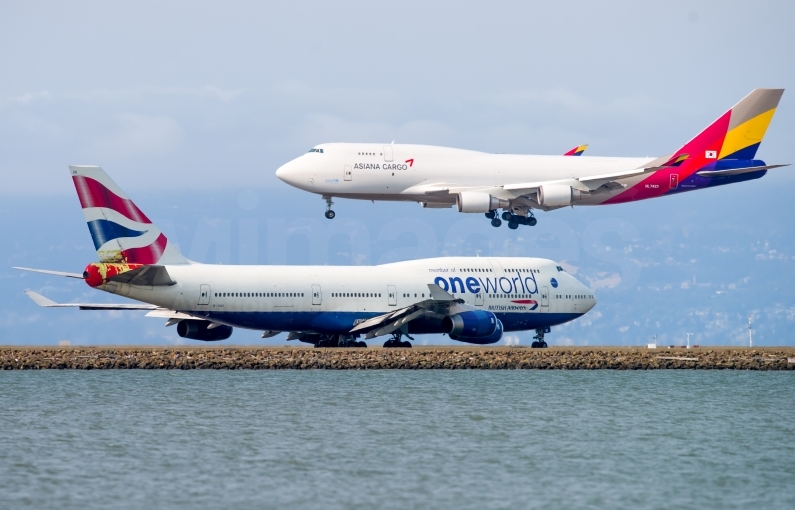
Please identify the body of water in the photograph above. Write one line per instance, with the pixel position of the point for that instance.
(397, 439)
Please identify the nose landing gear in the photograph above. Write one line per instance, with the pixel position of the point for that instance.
(329, 213)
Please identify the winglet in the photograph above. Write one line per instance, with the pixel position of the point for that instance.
(439, 294)
(39, 299)
(577, 151)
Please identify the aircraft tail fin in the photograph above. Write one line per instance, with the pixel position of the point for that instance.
(121, 232)
(735, 135)
(577, 151)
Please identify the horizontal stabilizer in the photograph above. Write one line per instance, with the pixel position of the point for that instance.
(49, 303)
(736, 171)
(56, 273)
(145, 276)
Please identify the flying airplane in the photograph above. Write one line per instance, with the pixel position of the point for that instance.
(478, 182)
(472, 300)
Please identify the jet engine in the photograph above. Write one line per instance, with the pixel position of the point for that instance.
(199, 330)
(479, 202)
(557, 195)
(493, 337)
(476, 323)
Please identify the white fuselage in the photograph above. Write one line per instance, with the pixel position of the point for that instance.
(417, 172)
(331, 299)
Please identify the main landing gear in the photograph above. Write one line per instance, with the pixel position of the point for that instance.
(339, 341)
(540, 343)
(514, 220)
(329, 213)
(396, 342)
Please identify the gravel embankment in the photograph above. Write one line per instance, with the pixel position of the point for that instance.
(566, 358)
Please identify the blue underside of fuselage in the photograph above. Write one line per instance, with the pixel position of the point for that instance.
(696, 181)
(343, 322)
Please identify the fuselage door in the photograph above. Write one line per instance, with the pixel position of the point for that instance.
(544, 298)
(392, 295)
(348, 172)
(388, 153)
(204, 294)
(316, 296)
(673, 183)
(479, 298)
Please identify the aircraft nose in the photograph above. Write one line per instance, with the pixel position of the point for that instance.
(283, 173)
(590, 301)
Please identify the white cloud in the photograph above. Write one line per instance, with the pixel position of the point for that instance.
(138, 135)
(29, 97)
(510, 339)
(604, 281)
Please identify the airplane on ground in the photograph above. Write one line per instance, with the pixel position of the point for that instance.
(478, 182)
(473, 300)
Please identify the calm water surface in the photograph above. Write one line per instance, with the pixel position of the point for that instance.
(396, 439)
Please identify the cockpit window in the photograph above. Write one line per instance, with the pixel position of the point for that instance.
(316, 150)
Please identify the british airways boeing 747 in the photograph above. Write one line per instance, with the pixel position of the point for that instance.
(473, 300)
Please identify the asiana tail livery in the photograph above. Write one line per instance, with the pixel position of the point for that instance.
(477, 182)
(473, 300)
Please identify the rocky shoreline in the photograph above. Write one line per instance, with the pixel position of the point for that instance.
(418, 358)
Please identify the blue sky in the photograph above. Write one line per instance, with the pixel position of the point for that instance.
(191, 107)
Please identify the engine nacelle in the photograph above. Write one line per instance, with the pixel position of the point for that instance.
(479, 202)
(483, 340)
(197, 330)
(475, 323)
(557, 195)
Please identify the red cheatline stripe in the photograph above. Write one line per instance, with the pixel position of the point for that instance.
(146, 254)
(524, 301)
(93, 194)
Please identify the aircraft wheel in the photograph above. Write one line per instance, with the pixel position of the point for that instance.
(543, 344)
(360, 344)
(496, 222)
(405, 344)
(491, 214)
(531, 221)
(507, 215)
(330, 214)
(513, 225)
(535, 345)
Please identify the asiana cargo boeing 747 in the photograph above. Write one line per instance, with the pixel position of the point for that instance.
(477, 182)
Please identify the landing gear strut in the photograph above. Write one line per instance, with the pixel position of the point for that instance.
(339, 341)
(329, 213)
(396, 342)
(514, 220)
(540, 343)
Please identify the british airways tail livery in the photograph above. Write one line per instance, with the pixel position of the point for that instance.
(473, 300)
(477, 182)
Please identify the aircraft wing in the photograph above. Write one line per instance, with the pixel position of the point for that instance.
(49, 303)
(438, 305)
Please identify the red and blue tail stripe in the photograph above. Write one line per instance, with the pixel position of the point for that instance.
(120, 230)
